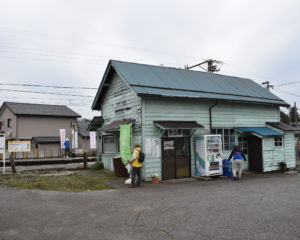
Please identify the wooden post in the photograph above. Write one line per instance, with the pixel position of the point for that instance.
(12, 163)
(84, 160)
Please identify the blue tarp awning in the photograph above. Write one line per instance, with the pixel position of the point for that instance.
(262, 131)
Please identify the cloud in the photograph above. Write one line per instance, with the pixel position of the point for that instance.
(70, 43)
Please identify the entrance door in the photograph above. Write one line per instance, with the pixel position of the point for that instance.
(176, 159)
(255, 154)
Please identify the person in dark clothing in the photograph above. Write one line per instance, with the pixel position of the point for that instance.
(237, 164)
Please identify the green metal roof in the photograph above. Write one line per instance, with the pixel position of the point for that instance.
(174, 82)
(262, 131)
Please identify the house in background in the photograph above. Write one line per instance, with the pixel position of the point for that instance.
(83, 134)
(39, 123)
(170, 107)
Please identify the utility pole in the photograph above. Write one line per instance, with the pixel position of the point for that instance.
(295, 114)
(268, 85)
(211, 65)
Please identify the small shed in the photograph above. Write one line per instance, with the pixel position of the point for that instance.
(46, 147)
(169, 107)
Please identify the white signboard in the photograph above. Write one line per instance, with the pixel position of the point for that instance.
(92, 140)
(2, 149)
(74, 139)
(156, 147)
(19, 146)
(2, 142)
(152, 146)
(62, 134)
(175, 133)
(148, 146)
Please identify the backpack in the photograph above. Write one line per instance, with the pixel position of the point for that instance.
(141, 157)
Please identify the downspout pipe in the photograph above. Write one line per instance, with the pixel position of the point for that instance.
(210, 115)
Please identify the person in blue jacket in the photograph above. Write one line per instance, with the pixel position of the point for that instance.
(67, 148)
(237, 164)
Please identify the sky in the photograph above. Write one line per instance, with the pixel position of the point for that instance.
(68, 43)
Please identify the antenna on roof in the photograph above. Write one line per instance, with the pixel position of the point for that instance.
(268, 85)
(211, 65)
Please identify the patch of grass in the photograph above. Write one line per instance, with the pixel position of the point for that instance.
(80, 180)
(97, 166)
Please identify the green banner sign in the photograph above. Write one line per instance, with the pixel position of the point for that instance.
(125, 140)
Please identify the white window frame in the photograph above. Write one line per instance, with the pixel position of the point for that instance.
(217, 130)
(115, 144)
(8, 123)
(243, 144)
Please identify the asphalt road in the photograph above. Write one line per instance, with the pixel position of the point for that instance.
(263, 206)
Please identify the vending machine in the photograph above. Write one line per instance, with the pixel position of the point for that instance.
(208, 155)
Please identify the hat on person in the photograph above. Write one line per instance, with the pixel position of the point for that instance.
(137, 145)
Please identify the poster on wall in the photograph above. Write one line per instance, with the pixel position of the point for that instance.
(152, 147)
(169, 145)
(156, 147)
(148, 146)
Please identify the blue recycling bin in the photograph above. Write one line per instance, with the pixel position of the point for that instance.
(227, 168)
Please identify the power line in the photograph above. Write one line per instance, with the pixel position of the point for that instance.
(47, 52)
(126, 47)
(57, 59)
(289, 93)
(50, 93)
(288, 83)
(46, 86)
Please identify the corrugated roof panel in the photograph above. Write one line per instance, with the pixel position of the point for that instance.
(191, 94)
(282, 126)
(262, 131)
(174, 79)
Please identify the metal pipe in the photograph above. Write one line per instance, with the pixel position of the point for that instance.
(210, 115)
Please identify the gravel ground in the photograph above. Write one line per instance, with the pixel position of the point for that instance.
(260, 206)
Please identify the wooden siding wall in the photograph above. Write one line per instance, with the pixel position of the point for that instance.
(272, 155)
(290, 153)
(224, 115)
(119, 96)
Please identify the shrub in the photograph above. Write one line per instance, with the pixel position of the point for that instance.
(97, 166)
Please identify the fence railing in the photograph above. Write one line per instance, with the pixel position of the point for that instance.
(49, 153)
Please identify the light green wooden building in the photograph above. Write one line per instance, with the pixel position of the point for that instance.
(169, 107)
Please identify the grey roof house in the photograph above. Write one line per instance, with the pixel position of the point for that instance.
(158, 99)
(37, 122)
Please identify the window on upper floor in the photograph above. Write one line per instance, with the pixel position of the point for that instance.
(227, 137)
(278, 141)
(8, 122)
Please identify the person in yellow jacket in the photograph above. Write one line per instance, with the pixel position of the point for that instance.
(136, 167)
